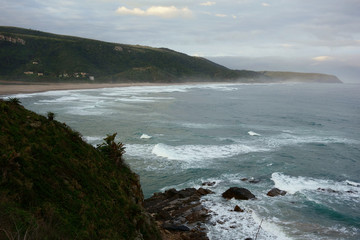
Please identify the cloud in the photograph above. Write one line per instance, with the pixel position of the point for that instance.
(322, 58)
(207, 3)
(286, 45)
(265, 4)
(220, 15)
(159, 11)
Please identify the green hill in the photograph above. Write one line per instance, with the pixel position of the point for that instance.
(53, 185)
(66, 58)
(30, 55)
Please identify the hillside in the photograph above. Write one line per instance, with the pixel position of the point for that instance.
(55, 186)
(301, 77)
(30, 55)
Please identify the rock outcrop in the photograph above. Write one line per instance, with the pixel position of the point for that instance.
(179, 214)
(238, 193)
(276, 192)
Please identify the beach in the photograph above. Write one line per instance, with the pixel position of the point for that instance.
(15, 87)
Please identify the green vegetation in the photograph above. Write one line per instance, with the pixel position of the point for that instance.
(50, 57)
(30, 55)
(53, 185)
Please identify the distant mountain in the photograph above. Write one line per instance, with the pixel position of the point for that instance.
(301, 77)
(39, 56)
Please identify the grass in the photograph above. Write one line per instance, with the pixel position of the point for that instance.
(56, 186)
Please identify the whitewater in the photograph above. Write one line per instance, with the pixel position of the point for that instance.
(300, 138)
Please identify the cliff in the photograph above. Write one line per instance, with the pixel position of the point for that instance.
(53, 185)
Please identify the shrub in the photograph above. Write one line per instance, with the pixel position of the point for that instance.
(14, 100)
(50, 116)
(112, 149)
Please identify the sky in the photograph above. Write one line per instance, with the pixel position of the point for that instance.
(282, 35)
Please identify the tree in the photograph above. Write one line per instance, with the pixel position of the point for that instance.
(14, 100)
(112, 149)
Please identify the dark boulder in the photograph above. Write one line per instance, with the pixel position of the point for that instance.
(238, 193)
(238, 209)
(209, 184)
(276, 192)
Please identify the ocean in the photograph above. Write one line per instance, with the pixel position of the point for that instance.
(301, 138)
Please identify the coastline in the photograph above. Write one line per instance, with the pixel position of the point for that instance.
(13, 87)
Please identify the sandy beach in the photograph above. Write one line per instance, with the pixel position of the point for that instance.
(9, 88)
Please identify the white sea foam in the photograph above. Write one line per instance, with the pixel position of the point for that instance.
(355, 184)
(225, 224)
(286, 139)
(202, 152)
(299, 184)
(251, 133)
(202, 125)
(85, 111)
(93, 139)
(145, 136)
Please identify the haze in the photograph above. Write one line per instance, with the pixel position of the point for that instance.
(280, 35)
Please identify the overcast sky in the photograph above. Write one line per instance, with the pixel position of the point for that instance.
(294, 35)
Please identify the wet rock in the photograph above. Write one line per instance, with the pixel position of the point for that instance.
(238, 193)
(250, 180)
(276, 192)
(327, 190)
(174, 227)
(180, 214)
(209, 184)
(254, 180)
(238, 209)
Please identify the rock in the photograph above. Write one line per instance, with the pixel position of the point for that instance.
(203, 191)
(254, 180)
(238, 209)
(171, 192)
(174, 227)
(179, 214)
(327, 190)
(276, 192)
(209, 184)
(238, 193)
(248, 239)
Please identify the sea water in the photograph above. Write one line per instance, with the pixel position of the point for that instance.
(300, 138)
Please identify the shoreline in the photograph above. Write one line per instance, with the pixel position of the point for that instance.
(13, 87)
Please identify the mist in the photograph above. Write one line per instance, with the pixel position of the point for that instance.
(346, 71)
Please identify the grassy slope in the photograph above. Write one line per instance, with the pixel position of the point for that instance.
(59, 54)
(55, 186)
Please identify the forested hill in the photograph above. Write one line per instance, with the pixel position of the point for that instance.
(38, 56)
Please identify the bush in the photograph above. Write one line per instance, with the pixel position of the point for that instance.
(14, 100)
(112, 149)
(50, 116)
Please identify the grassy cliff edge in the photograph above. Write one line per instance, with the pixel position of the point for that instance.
(55, 186)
